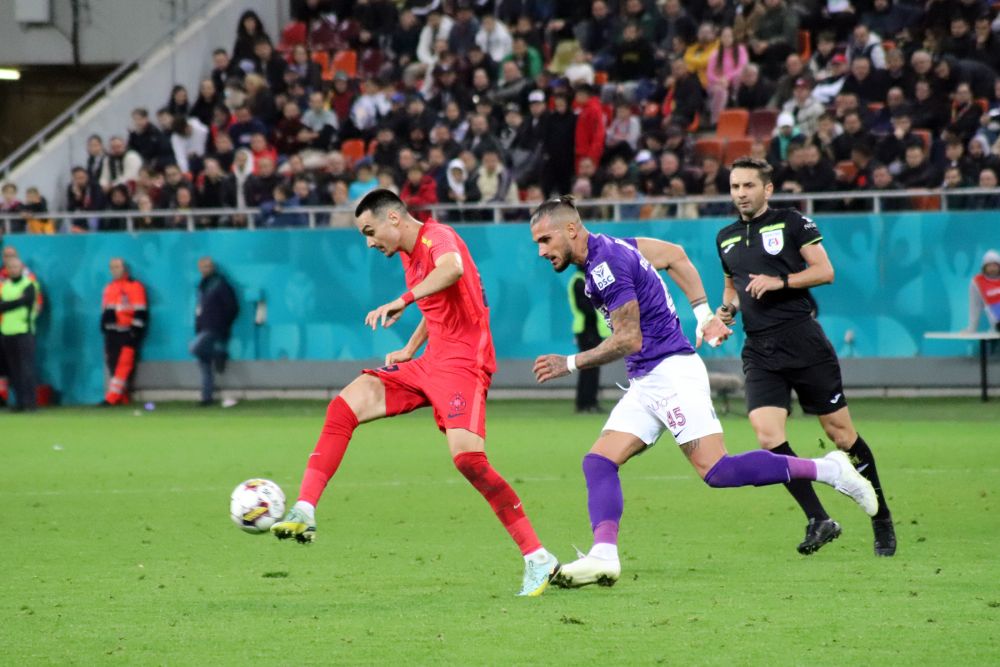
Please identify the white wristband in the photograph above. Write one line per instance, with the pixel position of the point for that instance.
(571, 363)
(702, 312)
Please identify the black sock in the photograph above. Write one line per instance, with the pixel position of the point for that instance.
(864, 462)
(802, 490)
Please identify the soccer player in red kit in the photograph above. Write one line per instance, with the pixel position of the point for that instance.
(452, 376)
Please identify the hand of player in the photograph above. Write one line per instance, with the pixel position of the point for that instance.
(760, 284)
(727, 315)
(712, 330)
(397, 357)
(386, 314)
(549, 367)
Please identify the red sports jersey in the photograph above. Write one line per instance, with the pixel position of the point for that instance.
(458, 319)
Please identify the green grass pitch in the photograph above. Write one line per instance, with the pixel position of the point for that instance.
(118, 548)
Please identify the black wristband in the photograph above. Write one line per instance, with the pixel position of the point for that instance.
(784, 280)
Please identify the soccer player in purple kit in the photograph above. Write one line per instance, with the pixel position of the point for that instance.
(668, 382)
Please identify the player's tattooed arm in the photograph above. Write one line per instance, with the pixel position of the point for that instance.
(625, 339)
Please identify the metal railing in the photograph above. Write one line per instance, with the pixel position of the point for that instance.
(616, 210)
(102, 87)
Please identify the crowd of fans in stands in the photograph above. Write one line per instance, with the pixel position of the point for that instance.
(507, 101)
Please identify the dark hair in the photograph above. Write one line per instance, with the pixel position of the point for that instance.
(220, 50)
(763, 169)
(242, 31)
(179, 125)
(862, 150)
(554, 205)
(378, 201)
(262, 39)
(94, 136)
(140, 111)
(78, 168)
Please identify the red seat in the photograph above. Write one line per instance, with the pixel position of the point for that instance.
(322, 58)
(732, 124)
(353, 150)
(735, 148)
(761, 123)
(925, 136)
(345, 61)
(805, 44)
(846, 170)
(710, 147)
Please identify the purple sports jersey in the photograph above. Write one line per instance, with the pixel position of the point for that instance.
(616, 274)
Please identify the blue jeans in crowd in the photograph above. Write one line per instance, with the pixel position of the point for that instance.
(209, 348)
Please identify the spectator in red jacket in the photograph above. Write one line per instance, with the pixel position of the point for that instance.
(261, 149)
(418, 191)
(589, 139)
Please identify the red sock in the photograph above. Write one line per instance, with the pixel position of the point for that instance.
(325, 459)
(500, 496)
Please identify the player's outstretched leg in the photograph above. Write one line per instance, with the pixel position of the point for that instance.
(840, 429)
(539, 565)
(762, 468)
(368, 395)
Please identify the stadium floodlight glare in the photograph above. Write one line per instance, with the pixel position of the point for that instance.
(8, 74)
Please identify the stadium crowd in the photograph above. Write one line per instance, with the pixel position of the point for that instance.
(507, 101)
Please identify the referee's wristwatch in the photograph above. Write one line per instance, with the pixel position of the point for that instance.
(784, 280)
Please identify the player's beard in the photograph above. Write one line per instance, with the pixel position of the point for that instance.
(562, 266)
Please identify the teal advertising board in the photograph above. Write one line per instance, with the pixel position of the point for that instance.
(897, 276)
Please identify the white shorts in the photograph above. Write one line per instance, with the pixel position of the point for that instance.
(675, 395)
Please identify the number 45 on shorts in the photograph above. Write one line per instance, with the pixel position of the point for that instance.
(675, 419)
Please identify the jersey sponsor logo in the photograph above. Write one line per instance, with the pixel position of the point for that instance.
(773, 241)
(456, 405)
(602, 276)
(426, 241)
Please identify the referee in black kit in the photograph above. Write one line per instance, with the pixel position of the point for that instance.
(771, 257)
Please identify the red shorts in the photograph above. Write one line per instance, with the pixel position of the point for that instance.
(457, 394)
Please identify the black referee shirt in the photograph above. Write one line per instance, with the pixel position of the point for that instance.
(768, 245)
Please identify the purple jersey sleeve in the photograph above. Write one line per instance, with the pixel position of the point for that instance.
(614, 280)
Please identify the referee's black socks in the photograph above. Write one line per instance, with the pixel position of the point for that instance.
(864, 462)
(802, 489)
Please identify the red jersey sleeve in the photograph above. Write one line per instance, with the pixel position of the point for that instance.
(440, 240)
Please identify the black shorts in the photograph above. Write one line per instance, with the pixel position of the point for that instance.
(799, 357)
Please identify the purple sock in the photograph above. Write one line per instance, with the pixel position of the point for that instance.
(801, 468)
(604, 497)
(759, 468)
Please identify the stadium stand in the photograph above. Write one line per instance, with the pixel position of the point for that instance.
(416, 84)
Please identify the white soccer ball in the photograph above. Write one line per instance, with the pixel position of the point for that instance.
(256, 505)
